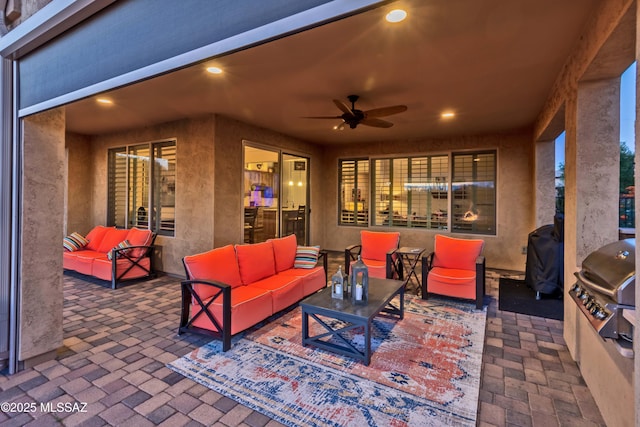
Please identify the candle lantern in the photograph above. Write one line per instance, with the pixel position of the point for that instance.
(338, 285)
(359, 279)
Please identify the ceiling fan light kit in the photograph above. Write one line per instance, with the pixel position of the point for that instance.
(353, 117)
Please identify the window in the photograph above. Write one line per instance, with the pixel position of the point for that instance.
(454, 192)
(473, 188)
(353, 176)
(411, 192)
(141, 187)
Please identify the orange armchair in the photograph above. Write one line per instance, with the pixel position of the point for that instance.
(455, 268)
(376, 250)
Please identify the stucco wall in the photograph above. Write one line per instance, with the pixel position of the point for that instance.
(229, 175)
(194, 191)
(79, 184)
(41, 300)
(515, 214)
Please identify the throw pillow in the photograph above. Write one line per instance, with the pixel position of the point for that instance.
(74, 241)
(306, 256)
(121, 245)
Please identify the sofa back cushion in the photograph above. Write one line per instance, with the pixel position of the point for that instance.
(284, 252)
(112, 237)
(460, 254)
(95, 237)
(218, 264)
(139, 237)
(256, 261)
(376, 244)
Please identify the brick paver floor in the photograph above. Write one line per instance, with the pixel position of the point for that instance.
(111, 370)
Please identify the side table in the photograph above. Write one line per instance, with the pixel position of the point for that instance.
(409, 258)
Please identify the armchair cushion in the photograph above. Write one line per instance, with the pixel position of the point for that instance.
(376, 244)
(450, 252)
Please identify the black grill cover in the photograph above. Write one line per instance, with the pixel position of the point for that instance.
(545, 258)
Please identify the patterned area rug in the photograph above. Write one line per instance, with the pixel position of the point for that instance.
(424, 371)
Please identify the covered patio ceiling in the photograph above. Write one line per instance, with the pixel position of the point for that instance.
(491, 62)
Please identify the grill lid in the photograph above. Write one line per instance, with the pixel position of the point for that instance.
(612, 266)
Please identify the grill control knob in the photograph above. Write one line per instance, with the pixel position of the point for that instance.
(575, 288)
(589, 304)
(583, 295)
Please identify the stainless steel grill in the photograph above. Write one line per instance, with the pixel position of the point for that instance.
(606, 287)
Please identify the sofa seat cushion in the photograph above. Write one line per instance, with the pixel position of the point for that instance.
(112, 238)
(139, 237)
(101, 268)
(313, 279)
(95, 237)
(80, 261)
(256, 261)
(286, 290)
(376, 268)
(284, 251)
(249, 305)
(440, 280)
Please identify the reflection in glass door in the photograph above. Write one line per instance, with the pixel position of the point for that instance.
(261, 190)
(276, 195)
(295, 197)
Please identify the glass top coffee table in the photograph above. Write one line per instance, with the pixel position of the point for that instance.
(321, 307)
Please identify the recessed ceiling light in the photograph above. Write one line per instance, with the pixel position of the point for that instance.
(214, 70)
(396, 15)
(104, 101)
(448, 115)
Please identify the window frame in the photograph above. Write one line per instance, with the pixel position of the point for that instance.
(433, 177)
(360, 218)
(152, 188)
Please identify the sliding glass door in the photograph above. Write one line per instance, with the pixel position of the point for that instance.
(295, 197)
(275, 194)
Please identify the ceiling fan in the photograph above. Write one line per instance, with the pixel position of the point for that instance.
(353, 117)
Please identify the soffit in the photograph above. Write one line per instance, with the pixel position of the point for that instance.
(491, 61)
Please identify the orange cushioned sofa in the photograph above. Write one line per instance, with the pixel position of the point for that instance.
(232, 288)
(132, 261)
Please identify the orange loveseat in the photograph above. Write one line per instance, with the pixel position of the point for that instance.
(132, 261)
(232, 288)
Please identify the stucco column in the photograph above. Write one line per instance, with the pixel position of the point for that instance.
(592, 158)
(545, 182)
(597, 165)
(41, 297)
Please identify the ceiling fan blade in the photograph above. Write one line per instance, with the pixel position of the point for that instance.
(385, 111)
(377, 123)
(343, 107)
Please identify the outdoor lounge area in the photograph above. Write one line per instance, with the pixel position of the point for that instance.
(116, 363)
(200, 128)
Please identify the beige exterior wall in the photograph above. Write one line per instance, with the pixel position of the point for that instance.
(229, 175)
(515, 215)
(41, 300)
(209, 191)
(194, 192)
(79, 171)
